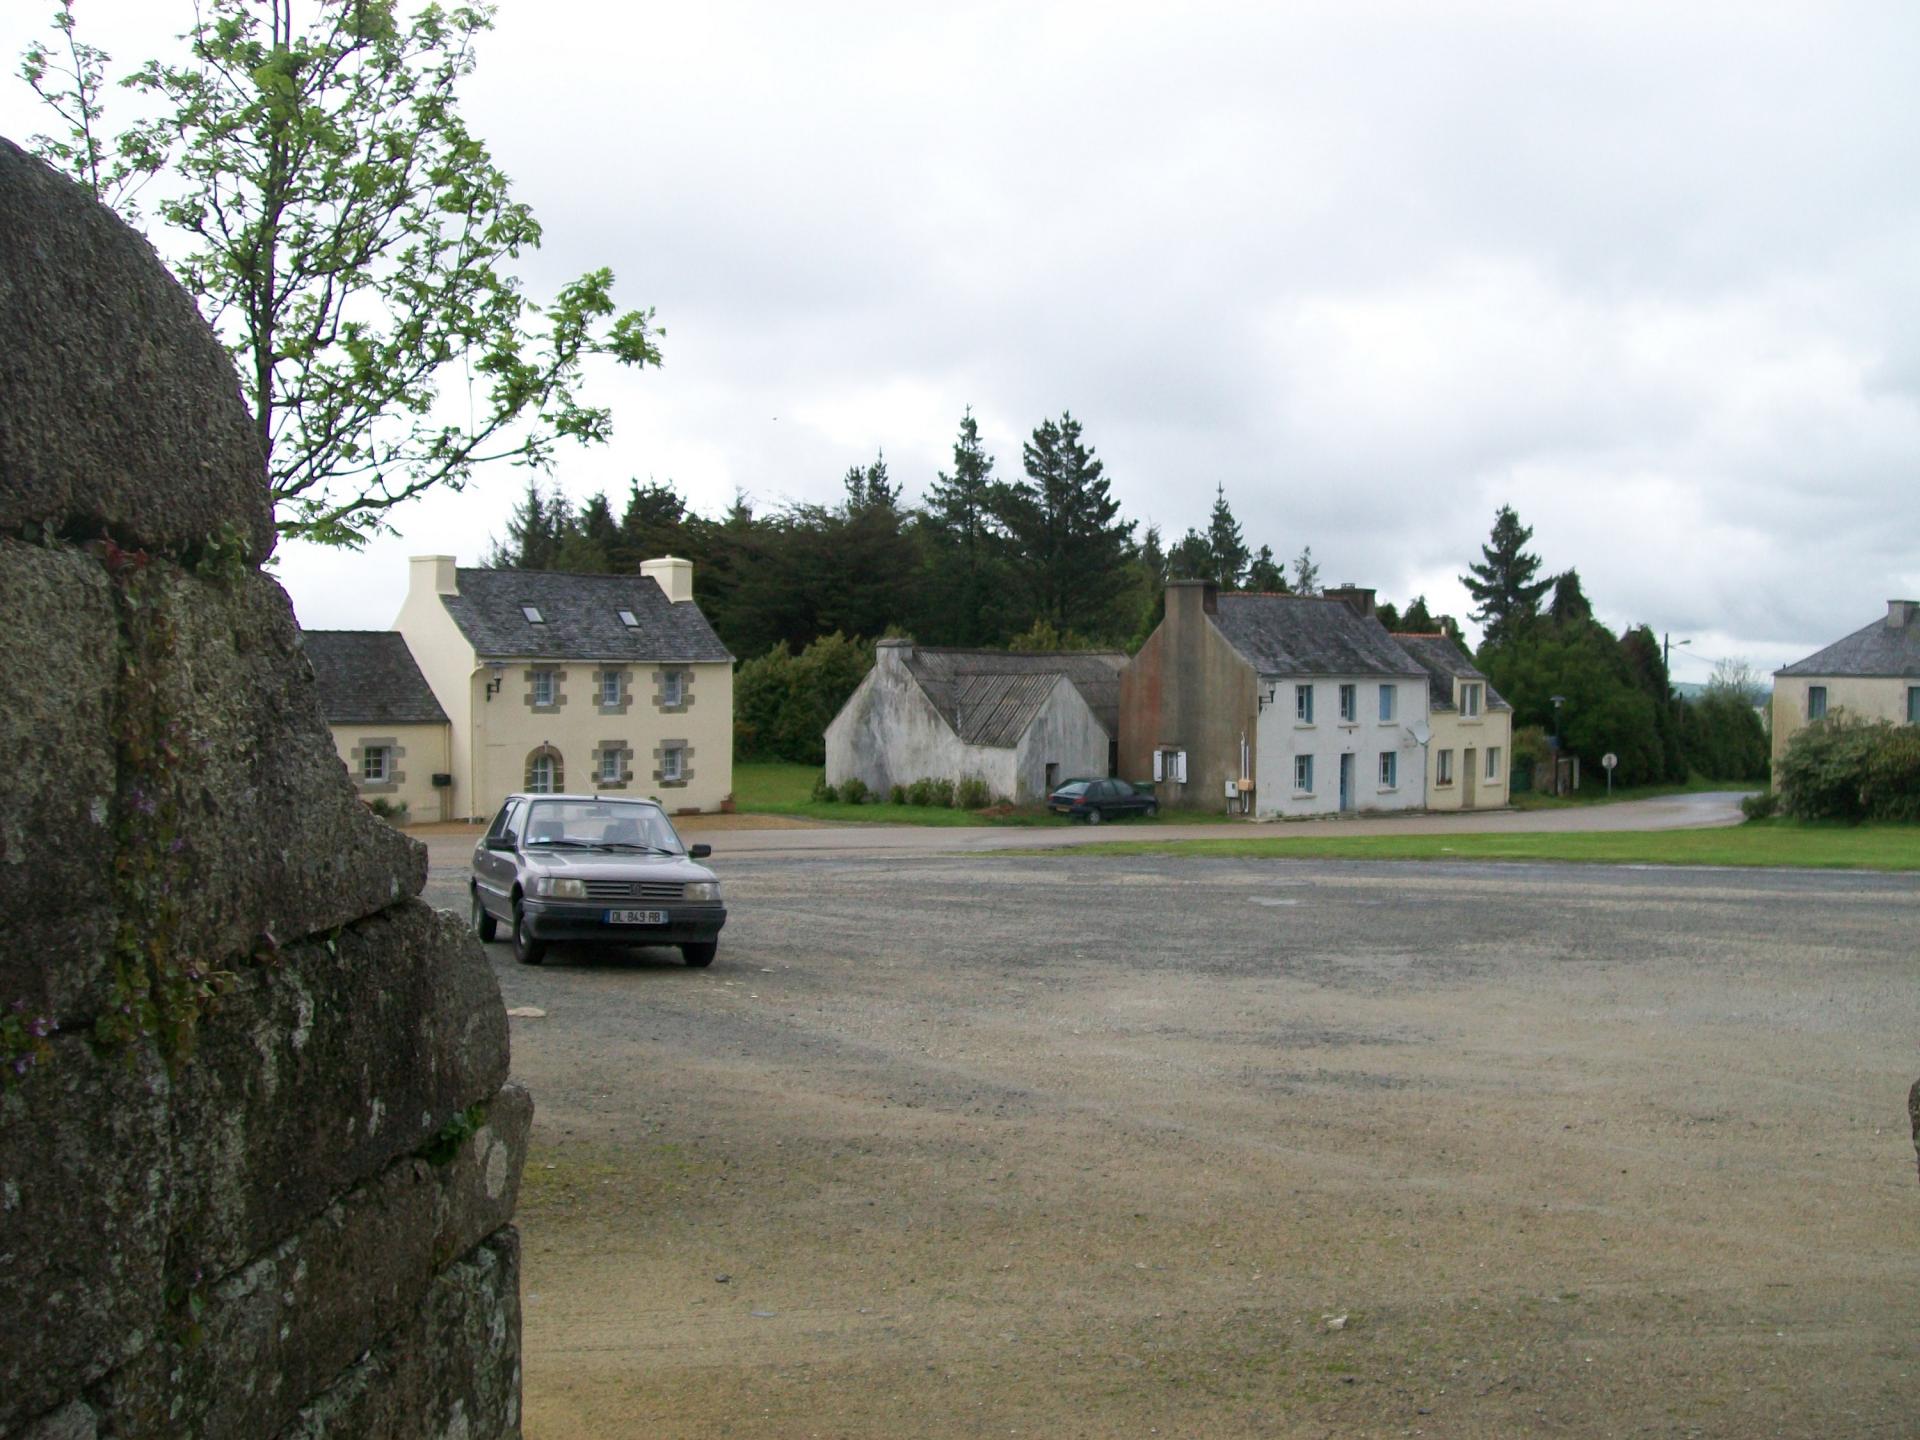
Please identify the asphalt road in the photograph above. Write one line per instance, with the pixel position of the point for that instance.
(1045, 1144)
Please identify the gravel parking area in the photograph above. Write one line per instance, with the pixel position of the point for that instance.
(1067, 1146)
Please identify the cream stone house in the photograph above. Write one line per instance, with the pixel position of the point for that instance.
(581, 683)
(391, 733)
(1470, 744)
(1873, 674)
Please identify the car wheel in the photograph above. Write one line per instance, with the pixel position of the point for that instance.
(1093, 817)
(484, 925)
(526, 948)
(1153, 808)
(701, 955)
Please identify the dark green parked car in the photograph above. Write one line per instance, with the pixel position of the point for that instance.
(1097, 800)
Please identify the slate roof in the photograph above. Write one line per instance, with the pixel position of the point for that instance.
(1302, 635)
(1444, 660)
(1878, 650)
(990, 697)
(581, 615)
(368, 677)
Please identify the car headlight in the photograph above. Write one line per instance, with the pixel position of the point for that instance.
(560, 889)
(703, 890)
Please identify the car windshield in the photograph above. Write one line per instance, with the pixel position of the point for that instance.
(1073, 787)
(601, 825)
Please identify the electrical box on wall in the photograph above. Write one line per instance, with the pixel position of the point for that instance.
(1233, 789)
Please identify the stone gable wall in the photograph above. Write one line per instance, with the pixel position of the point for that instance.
(258, 1148)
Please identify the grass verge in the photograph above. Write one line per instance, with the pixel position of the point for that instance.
(1777, 843)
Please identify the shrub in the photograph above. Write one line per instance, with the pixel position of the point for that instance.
(898, 795)
(1841, 768)
(973, 794)
(395, 813)
(943, 794)
(920, 793)
(823, 792)
(853, 791)
(1761, 806)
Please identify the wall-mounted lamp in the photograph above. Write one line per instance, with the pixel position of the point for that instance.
(493, 685)
(1265, 700)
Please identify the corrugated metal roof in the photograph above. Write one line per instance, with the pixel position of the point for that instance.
(990, 697)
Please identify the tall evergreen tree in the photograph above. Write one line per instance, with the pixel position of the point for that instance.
(1264, 573)
(1306, 574)
(1502, 583)
(1418, 620)
(534, 532)
(964, 541)
(1569, 602)
(1229, 548)
(1070, 545)
(1191, 558)
(653, 524)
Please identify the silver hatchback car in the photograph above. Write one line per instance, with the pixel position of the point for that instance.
(583, 867)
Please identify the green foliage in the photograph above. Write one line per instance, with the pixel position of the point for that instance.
(1502, 584)
(897, 795)
(1761, 805)
(352, 242)
(1264, 574)
(853, 791)
(1843, 768)
(973, 794)
(1069, 546)
(1722, 736)
(1306, 574)
(943, 794)
(920, 793)
(823, 792)
(1042, 638)
(782, 703)
(446, 1141)
(1604, 708)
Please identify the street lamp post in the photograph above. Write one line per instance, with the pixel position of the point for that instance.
(1558, 701)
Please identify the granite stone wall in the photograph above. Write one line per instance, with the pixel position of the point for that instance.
(258, 1149)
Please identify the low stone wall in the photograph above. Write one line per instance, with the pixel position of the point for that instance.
(258, 1150)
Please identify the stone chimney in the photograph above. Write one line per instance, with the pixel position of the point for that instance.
(673, 575)
(1358, 598)
(892, 655)
(1192, 597)
(1900, 613)
(432, 575)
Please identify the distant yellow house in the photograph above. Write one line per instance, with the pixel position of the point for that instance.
(1873, 674)
(582, 683)
(391, 733)
(1471, 748)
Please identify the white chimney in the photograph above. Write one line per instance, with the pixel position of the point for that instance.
(673, 575)
(432, 575)
(1900, 613)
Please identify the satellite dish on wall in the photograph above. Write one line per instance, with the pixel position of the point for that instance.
(1421, 734)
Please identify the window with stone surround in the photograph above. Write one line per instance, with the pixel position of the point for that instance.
(375, 763)
(546, 774)
(543, 688)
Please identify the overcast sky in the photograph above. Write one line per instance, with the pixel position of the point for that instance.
(1647, 272)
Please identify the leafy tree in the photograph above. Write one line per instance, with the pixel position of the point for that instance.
(1306, 574)
(1502, 583)
(1418, 620)
(1569, 603)
(1191, 558)
(1736, 678)
(784, 702)
(1264, 574)
(1387, 614)
(1042, 638)
(1069, 545)
(653, 524)
(350, 240)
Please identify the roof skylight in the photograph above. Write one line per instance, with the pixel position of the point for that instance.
(629, 619)
(532, 612)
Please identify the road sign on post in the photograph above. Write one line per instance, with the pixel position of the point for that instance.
(1608, 761)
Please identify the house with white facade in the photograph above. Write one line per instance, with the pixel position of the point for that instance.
(1278, 705)
(580, 683)
(1470, 750)
(1872, 674)
(1020, 722)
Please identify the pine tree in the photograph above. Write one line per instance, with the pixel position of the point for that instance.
(1191, 558)
(1502, 584)
(1418, 620)
(1306, 574)
(534, 532)
(965, 542)
(1569, 600)
(1265, 575)
(1224, 540)
(1071, 549)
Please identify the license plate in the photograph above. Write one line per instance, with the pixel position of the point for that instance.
(636, 917)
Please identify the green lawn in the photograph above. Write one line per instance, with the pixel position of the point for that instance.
(773, 788)
(1593, 791)
(1765, 842)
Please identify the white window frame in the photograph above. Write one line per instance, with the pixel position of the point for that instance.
(1349, 704)
(1303, 774)
(1303, 704)
(1816, 702)
(673, 762)
(540, 783)
(1389, 704)
(1493, 762)
(1470, 699)
(673, 687)
(376, 764)
(610, 769)
(544, 681)
(1443, 768)
(609, 688)
(1389, 770)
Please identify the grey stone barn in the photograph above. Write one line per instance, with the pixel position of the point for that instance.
(1021, 722)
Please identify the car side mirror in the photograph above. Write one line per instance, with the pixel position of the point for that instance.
(700, 852)
(500, 842)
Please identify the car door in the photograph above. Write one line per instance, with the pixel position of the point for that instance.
(493, 870)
